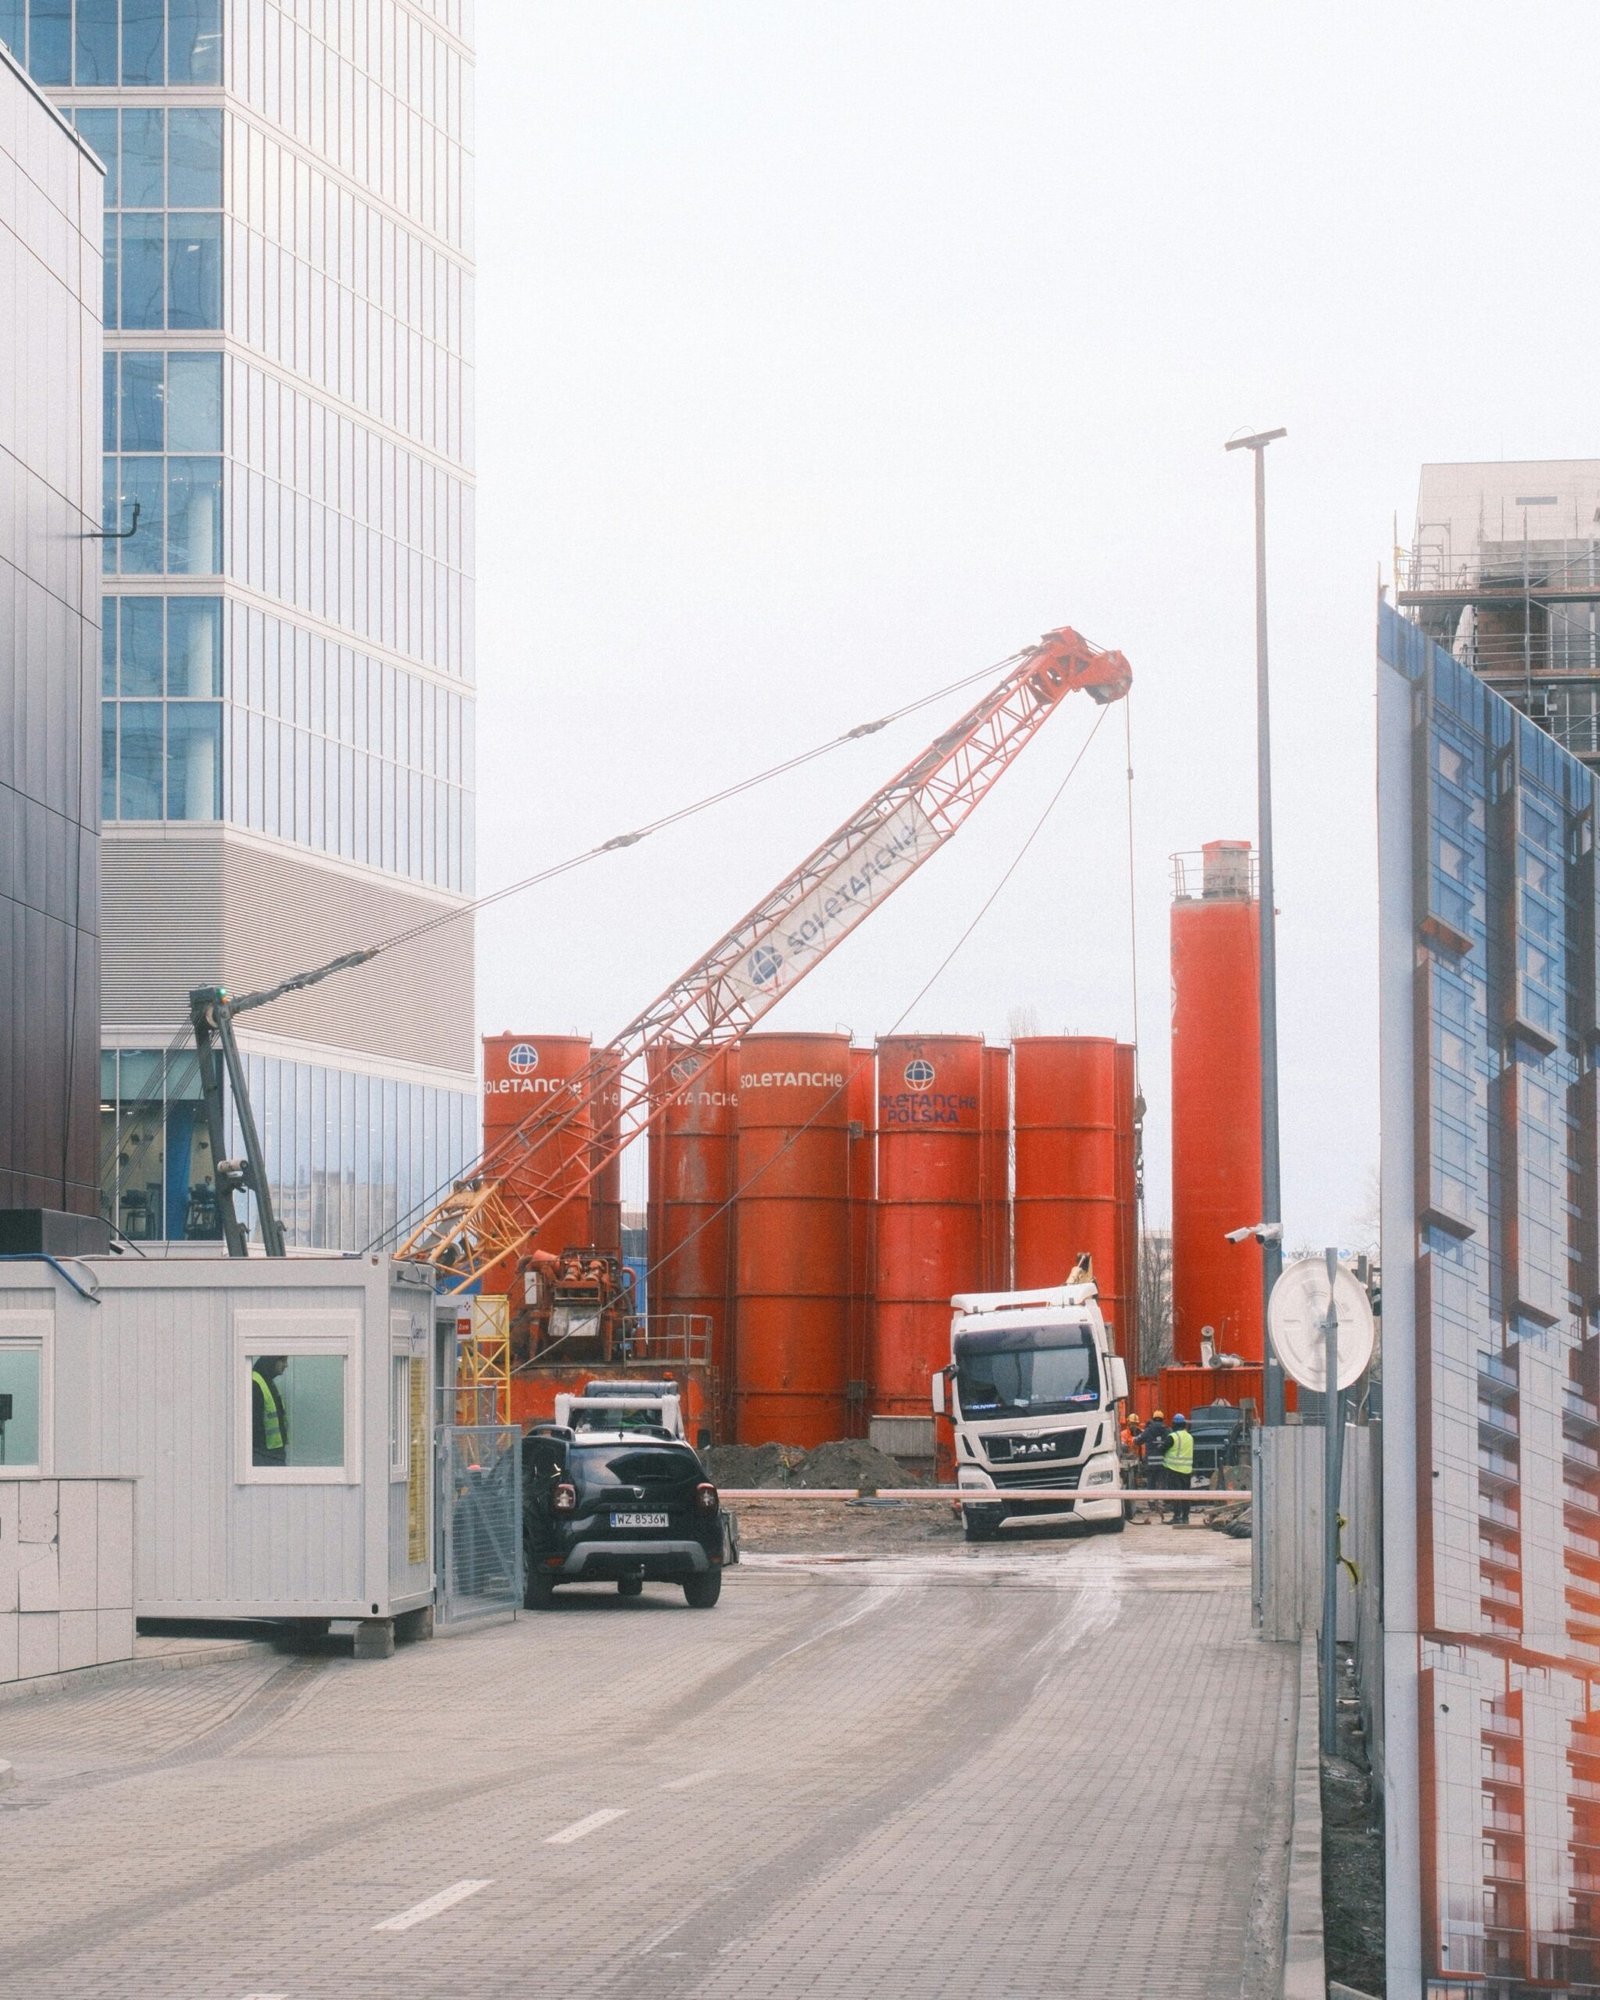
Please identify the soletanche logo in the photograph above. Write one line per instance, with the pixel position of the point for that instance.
(523, 1057)
(765, 964)
(920, 1073)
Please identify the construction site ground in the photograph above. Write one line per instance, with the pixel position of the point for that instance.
(888, 1763)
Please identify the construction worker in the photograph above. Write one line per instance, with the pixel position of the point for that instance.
(1152, 1440)
(269, 1412)
(1178, 1462)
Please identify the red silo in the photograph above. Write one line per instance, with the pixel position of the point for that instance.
(862, 1096)
(690, 1214)
(996, 1171)
(1216, 1102)
(930, 1208)
(523, 1075)
(1065, 1096)
(792, 1239)
(605, 1190)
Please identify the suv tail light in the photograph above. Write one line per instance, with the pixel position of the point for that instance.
(566, 1498)
(705, 1498)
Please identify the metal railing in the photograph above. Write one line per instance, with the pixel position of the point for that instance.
(479, 1490)
(1231, 873)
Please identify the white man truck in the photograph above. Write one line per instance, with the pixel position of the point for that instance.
(1032, 1389)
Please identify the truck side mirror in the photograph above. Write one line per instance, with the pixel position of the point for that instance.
(938, 1394)
(1119, 1378)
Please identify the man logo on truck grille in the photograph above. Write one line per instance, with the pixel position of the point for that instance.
(523, 1057)
(920, 1073)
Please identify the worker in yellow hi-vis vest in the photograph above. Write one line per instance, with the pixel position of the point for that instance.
(1178, 1464)
(269, 1412)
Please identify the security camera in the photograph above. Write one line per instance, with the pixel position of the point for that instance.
(1263, 1232)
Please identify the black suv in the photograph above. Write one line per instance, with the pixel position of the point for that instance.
(629, 1507)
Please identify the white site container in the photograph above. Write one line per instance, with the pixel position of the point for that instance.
(149, 1378)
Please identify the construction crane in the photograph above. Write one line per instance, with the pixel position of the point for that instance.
(492, 1217)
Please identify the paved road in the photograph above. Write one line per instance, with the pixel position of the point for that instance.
(1047, 1769)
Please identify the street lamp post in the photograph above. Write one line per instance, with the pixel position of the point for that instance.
(1271, 1195)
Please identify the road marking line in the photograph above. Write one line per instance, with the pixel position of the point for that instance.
(580, 1827)
(694, 1778)
(456, 1893)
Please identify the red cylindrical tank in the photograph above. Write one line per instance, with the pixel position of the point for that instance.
(792, 1239)
(1066, 1165)
(690, 1217)
(931, 1143)
(523, 1075)
(605, 1190)
(1216, 1104)
(1128, 1204)
(862, 1096)
(996, 1170)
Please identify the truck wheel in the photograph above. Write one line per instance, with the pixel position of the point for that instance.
(539, 1589)
(703, 1591)
(1113, 1527)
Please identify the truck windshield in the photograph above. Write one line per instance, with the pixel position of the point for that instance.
(1026, 1371)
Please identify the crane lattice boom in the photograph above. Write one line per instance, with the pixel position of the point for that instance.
(555, 1153)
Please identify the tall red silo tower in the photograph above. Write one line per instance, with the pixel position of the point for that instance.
(1216, 1101)
(931, 1146)
(690, 1213)
(523, 1075)
(1067, 1099)
(996, 1170)
(792, 1239)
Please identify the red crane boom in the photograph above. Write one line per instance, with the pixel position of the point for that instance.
(727, 991)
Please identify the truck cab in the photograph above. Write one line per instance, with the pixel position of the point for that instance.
(1032, 1389)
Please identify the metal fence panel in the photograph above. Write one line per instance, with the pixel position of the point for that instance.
(480, 1526)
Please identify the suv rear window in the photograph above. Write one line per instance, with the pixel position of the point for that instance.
(634, 1465)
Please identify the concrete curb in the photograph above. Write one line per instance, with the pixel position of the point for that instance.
(115, 1671)
(1305, 1971)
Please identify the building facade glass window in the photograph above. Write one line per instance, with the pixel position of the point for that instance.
(104, 43)
(289, 630)
(163, 221)
(1491, 915)
(352, 1154)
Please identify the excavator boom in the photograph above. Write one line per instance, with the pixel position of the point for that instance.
(720, 998)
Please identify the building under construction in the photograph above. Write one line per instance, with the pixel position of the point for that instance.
(1503, 572)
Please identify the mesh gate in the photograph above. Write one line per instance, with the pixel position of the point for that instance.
(480, 1526)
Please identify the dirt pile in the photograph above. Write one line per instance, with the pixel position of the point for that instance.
(740, 1465)
(851, 1462)
(848, 1462)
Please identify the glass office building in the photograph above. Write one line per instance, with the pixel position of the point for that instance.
(1491, 1121)
(287, 666)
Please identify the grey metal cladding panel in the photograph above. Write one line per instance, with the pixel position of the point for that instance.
(160, 926)
(415, 1004)
(178, 913)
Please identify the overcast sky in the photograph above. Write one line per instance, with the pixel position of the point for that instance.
(828, 352)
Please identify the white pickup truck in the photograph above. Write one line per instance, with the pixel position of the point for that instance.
(1032, 1389)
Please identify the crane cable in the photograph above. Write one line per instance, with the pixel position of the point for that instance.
(1138, 1091)
(717, 798)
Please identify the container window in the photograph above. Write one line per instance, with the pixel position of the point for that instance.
(21, 1405)
(296, 1410)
